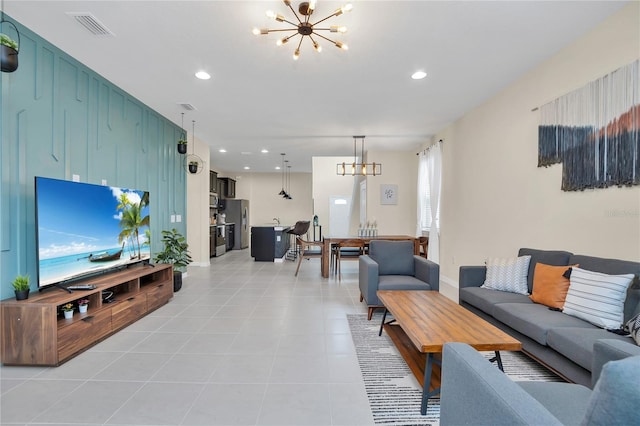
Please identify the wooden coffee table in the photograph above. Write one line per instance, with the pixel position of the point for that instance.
(424, 321)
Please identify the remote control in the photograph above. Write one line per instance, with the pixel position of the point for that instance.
(82, 287)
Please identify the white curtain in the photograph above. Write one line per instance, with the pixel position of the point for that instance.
(434, 170)
(423, 194)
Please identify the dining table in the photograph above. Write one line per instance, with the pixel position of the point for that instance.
(330, 240)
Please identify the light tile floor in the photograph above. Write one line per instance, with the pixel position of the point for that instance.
(243, 343)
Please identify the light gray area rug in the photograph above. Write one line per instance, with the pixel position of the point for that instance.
(394, 393)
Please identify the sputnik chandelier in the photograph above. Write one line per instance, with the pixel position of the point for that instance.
(355, 168)
(306, 28)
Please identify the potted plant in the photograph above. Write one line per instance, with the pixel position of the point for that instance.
(21, 287)
(193, 167)
(68, 310)
(176, 252)
(182, 144)
(8, 51)
(83, 304)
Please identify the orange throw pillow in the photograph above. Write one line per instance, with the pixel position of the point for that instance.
(549, 285)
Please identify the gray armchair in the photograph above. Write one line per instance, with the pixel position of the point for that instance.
(391, 265)
(475, 392)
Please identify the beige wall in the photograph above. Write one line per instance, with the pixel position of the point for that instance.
(198, 206)
(495, 199)
(261, 189)
(401, 169)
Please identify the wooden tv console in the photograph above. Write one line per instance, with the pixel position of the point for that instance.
(35, 332)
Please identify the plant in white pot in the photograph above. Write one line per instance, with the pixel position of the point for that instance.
(68, 310)
(83, 305)
(176, 252)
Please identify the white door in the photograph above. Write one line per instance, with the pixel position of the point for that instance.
(339, 214)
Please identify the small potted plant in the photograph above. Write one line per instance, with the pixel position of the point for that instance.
(68, 310)
(182, 144)
(176, 252)
(8, 51)
(83, 304)
(193, 167)
(21, 287)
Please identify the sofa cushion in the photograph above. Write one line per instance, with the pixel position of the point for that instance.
(597, 297)
(577, 343)
(550, 286)
(566, 401)
(534, 320)
(393, 257)
(615, 398)
(507, 274)
(485, 299)
(548, 257)
(401, 282)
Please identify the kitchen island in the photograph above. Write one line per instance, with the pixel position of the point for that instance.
(269, 243)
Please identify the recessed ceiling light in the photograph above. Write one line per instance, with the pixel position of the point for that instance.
(264, 151)
(247, 167)
(277, 167)
(203, 75)
(418, 75)
(222, 150)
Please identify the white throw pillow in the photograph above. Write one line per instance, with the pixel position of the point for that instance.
(597, 297)
(508, 274)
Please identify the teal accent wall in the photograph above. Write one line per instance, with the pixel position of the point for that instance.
(59, 119)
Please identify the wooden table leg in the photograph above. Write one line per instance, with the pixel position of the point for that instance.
(326, 255)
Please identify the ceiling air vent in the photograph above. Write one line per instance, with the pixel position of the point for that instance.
(91, 23)
(187, 106)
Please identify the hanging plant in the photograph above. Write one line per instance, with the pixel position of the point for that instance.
(182, 144)
(9, 50)
(182, 140)
(193, 167)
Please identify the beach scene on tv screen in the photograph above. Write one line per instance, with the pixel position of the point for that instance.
(85, 229)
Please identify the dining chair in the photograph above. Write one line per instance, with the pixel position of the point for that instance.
(424, 245)
(350, 249)
(308, 250)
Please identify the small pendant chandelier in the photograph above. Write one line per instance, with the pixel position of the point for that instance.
(282, 191)
(364, 169)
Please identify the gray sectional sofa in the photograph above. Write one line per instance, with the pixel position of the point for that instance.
(475, 392)
(561, 342)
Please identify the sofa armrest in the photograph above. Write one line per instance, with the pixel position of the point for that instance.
(427, 271)
(605, 350)
(368, 279)
(472, 276)
(475, 392)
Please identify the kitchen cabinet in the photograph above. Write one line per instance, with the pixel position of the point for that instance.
(213, 182)
(269, 243)
(228, 187)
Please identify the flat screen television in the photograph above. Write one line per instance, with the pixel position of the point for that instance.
(84, 229)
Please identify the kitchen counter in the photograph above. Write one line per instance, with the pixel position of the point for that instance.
(269, 243)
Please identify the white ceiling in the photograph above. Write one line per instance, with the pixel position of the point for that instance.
(260, 98)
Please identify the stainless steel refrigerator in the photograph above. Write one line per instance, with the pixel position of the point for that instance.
(237, 211)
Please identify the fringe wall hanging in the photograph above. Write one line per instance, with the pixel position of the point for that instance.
(594, 132)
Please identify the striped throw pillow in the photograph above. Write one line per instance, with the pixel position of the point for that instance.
(597, 298)
(633, 327)
(508, 274)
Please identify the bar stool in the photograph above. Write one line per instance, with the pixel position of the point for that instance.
(300, 228)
